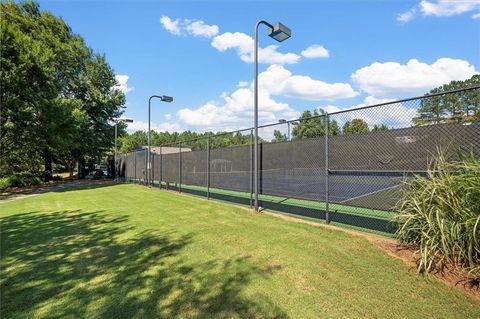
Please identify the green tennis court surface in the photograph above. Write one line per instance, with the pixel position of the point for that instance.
(371, 220)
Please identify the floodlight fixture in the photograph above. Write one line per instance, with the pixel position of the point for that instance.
(280, 32)
(166, 98)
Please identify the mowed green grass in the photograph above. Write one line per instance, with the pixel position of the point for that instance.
(126, 251)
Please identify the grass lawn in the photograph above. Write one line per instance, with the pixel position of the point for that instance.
(126, 251)
(309, 204)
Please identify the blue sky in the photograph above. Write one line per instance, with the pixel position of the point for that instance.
(361, 52)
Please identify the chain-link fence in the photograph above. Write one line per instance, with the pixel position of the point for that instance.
(346, 167)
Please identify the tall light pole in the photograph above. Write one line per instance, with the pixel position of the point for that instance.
(162, 98)
(116, 136)
(280, 33)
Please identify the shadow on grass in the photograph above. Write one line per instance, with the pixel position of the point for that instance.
(89, 264)
(85, 185)
(12, 194)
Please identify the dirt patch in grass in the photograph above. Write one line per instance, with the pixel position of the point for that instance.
(406, 254)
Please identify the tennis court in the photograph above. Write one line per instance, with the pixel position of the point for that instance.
(351, 179)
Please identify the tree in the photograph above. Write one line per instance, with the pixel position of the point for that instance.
(356, 126)
(130, 142)
(57, 101)
(379, 128)
(462, 106)
(279, 137)
(100, 105)
(333, 128)
(313, 125)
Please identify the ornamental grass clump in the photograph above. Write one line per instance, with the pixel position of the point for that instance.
(440, 215)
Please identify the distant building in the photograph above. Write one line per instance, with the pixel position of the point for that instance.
(166, 149)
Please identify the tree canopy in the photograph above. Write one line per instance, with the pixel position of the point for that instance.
(58, 101)
(463, 106)
(279, 136)
(355, 126)
(313, 125)
(192, 140)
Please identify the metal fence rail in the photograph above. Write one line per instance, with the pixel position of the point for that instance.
(345, 167)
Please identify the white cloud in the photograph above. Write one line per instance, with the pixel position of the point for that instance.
(122, 81)
(441, 8)
(186, 26)
(445, 8)
(315, 51)
(406, 16)
(280, 81)
(270, 55)
(236, 109)
(240, 41)
(395, 115)
(168, 116)
(199, 28)
(392, 79)
(170, 25)
(243, 44)
(158, 127)
(476, 16)
(242, 84)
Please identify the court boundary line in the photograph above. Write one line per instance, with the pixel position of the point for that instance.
(371, 193)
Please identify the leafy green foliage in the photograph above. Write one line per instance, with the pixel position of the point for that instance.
(313, 125)
(279, 137)
(56, 96)
(458, 107)
(356, 126)
(19, 180)
(379, 128)
(192, 140)
(441, 215)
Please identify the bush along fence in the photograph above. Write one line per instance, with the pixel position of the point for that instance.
(346, 167)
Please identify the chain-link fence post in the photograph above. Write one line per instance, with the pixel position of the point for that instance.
(180, 167)
(326, 131)
(161, 168)
(135, 166)
(145, 171)
(125, 171)
(152, 170)
(251, 168)
(208, 167)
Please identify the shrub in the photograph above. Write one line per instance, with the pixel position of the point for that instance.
(19, 180)
(4, 183)
(440, 214)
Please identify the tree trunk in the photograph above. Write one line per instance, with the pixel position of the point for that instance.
(48, 166)
(70, 168)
